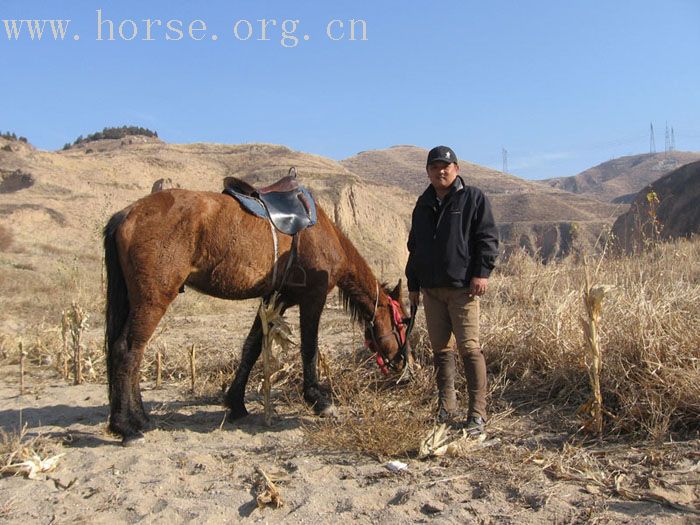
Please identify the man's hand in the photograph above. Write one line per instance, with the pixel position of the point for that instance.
(478, 285)
(414, 298)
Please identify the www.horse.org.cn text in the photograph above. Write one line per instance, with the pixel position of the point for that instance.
(287, 33)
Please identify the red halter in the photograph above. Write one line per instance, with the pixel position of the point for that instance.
(398, 330)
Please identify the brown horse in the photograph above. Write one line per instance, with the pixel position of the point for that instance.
(208, 242)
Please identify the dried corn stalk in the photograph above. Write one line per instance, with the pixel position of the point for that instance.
(593, 301)
(268, 494)
(193, 366)
(439, 443)
(433, 441)
(77, 323)
(275, 330)
(65, 330)
(32, 466)
(25, 458)
(22, 356)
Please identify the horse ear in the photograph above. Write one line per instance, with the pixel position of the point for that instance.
(292, 172)
(395, 294)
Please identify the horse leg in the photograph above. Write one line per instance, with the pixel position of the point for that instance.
(120, 421)
(252, 347)
(309, 318)
(128, 416)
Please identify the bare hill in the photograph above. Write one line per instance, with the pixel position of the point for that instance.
(619, 180)
(404, 166)
(530, 216)
(666, 209)
(53, 205)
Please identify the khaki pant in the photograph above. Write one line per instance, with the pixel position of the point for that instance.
(453, 311)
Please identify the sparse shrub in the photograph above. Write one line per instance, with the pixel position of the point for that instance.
(13, 136)
(16, 181)
(116, 133)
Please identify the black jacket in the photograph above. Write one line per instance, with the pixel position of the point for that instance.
(453, 241)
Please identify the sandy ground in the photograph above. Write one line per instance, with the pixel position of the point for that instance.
(194, 469)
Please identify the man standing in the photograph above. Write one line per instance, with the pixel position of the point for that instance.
(452, 247)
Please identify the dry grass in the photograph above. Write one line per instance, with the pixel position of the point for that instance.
(649, 335)
(531, 330)
(664, 473)
(377, 417)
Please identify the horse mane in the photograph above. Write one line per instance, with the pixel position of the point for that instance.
(358, 285)
(351, 297)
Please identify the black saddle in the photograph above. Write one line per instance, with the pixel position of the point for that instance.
(289, 206)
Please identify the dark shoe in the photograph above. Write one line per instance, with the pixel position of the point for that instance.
(443, 416)
(474, 426)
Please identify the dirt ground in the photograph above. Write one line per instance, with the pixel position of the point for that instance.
(195, 467)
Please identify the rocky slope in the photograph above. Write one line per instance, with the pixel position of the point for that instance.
(619, 180)
(666, 209)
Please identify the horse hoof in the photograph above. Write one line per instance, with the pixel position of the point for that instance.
(330, 412)
(133, 439)
(238, 413)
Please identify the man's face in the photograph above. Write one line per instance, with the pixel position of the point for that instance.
(442, 175)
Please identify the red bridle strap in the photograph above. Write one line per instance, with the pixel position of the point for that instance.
(398, 330)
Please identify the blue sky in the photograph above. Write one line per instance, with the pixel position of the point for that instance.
(561, 85)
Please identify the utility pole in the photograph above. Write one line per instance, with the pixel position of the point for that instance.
(652, 142)
(667, 144)
(505, 160)
(673, 140)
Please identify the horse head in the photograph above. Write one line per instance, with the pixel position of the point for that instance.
(387, 333)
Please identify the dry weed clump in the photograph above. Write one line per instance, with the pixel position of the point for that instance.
(27, 456)
(377, 417)
(649, 335)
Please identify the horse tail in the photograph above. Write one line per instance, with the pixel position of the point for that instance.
(117, 300)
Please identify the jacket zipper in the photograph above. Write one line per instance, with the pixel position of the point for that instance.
(444, 205)
(442, 212)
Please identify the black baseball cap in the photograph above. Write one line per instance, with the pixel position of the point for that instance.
(441, 154)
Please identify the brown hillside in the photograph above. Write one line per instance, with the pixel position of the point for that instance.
(530, 216)
(56, 203)
(404, 166)
(675, 208)
(620, 179)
